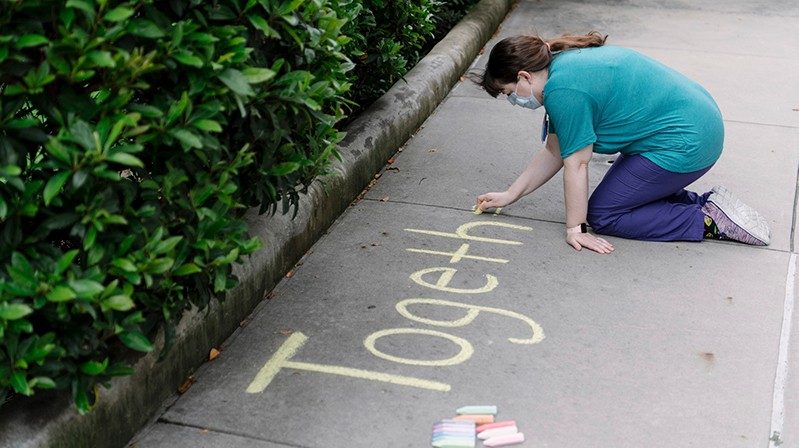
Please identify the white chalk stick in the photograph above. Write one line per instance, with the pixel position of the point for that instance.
(511, 439)
(504, 431)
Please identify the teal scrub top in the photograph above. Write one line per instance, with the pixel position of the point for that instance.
(624, 102)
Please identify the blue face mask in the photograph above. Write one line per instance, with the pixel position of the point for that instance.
(530, 102)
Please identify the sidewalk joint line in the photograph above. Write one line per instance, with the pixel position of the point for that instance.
(449, 207)
(785, 126)
(654, 47)
(227, 432)
(778, 399)
(793, 212)
(694, 10)
(789, 250)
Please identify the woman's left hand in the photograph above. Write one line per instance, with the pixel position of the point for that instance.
(587, 240)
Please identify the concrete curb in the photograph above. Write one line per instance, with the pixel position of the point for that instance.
(49, 420)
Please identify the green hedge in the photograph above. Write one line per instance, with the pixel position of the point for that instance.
(133, 135)
(390, 36)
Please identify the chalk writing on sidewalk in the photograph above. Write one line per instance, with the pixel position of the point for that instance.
(282, 359)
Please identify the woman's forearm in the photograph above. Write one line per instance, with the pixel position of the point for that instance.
(575, 186)
(542, 167)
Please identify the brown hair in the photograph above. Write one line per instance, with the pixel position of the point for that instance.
(528, 53)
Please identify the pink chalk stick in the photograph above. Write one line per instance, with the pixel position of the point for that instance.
(511, 439)
(478, 419)
(482, 428)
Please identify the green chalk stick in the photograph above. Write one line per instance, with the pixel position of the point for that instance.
(477, 410)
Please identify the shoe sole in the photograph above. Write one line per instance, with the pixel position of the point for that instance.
(741, 214)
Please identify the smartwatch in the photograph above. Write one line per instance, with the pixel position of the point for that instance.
(582, 228)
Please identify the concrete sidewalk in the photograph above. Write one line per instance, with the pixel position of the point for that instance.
(412, 306)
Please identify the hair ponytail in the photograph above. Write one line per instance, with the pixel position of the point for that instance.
(528, 53)
(568, 42)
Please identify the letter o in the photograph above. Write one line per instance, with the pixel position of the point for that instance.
(466, 349)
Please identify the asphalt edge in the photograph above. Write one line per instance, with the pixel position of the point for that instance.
(49, 420)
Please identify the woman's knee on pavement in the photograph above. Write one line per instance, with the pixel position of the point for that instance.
(600, 218)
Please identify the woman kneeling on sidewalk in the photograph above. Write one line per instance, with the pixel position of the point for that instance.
(607, 99)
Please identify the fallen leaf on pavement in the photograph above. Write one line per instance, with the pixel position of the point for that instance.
(213, 355)
(186, 385)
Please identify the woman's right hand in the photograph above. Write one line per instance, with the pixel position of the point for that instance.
(494, 200)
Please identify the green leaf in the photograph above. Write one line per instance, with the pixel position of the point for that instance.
(289, 6)
(136, 341)
(101, 59)
(57, 150)
(284, 168)
(54, 186)
(118, 14)
(42, 382)
(86, 289)
(147, 110)
(311, 103)
(30, 40)
(89, 238)
(177, 108)
(126, 159)
(65, 261)
(19, 326)
(83, 5)
(159, 265)
(186, 137)
(257, 75)
(14, 311)
(261, 23)
(145, 28)
(220, 280)
(119, 369)
(167, 245)
(61, 294)
(19, 384)
(124, 264)
(188, 58)
(81, 399)
(186, 269)
(83, 135)
(236, 81)
(94, 367)
(207, 125)
(118, 302)
(22, 123)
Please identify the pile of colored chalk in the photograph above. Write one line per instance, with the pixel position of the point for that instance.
(450, 433)
(459, 432)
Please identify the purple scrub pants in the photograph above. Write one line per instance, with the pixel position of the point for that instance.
(642, 201)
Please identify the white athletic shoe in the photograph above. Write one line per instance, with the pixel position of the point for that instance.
(736, 220)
